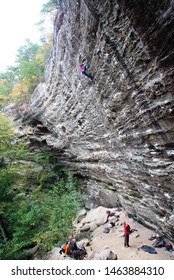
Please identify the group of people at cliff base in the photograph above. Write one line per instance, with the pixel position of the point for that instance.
(72, 250)
(79, 253)
(159, 241)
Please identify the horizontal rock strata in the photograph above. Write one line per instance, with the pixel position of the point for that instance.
(118, 130)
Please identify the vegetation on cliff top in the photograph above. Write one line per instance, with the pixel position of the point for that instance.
(18, 82)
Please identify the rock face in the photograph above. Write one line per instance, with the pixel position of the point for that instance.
(117, 131)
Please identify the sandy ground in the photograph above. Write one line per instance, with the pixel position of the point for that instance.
(115, 241)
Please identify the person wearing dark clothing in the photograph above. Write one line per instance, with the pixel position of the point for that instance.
(83, 69)
(73, 245)
(63, 248)
(127, 231)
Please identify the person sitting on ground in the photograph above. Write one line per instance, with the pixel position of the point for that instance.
(67, 249)
(75, 251)
(80, 253)
(111, 214)
(169, 247)
(83, 67)
(127, 232)
(159, 242)
(73, 245)
(63, 247)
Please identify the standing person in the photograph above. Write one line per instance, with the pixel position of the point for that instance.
(127, 231)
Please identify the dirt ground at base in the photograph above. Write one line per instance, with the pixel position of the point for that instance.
(115, 241)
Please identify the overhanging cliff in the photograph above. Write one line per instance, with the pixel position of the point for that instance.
(118, 130)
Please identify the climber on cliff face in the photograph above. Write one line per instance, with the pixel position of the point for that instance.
(83, 67)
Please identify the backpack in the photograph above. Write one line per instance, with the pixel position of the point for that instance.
(106, 230)
(81, 248)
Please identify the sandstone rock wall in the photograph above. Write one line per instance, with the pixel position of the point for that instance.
(118, 130)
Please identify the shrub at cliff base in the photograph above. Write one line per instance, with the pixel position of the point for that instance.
(38, 201)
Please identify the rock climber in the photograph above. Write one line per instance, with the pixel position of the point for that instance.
(83, 67)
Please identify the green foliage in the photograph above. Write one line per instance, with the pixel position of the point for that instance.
(49, 6)
(44, 216)
(20, 81)
(27, 52)
(28, 66)
(17, 83)
(10, 169)
(39, 199)
(7, 80)
(38, 202)
(6, 134)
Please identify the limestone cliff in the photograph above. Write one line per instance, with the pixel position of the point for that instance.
(118, 130)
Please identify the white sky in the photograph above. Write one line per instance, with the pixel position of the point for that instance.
(17, 23)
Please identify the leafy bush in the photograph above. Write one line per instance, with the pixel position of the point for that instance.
(37, 205)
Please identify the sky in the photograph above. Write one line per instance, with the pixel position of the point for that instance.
(18, 20)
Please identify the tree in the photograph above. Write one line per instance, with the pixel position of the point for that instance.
(38, 198)
(50, 6)
(7, 81)
(7, 176)
(29, 68)
(19, 82)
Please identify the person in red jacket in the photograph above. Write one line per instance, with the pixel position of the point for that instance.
(127, 231)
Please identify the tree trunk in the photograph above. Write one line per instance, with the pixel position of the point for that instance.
(3, 230)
